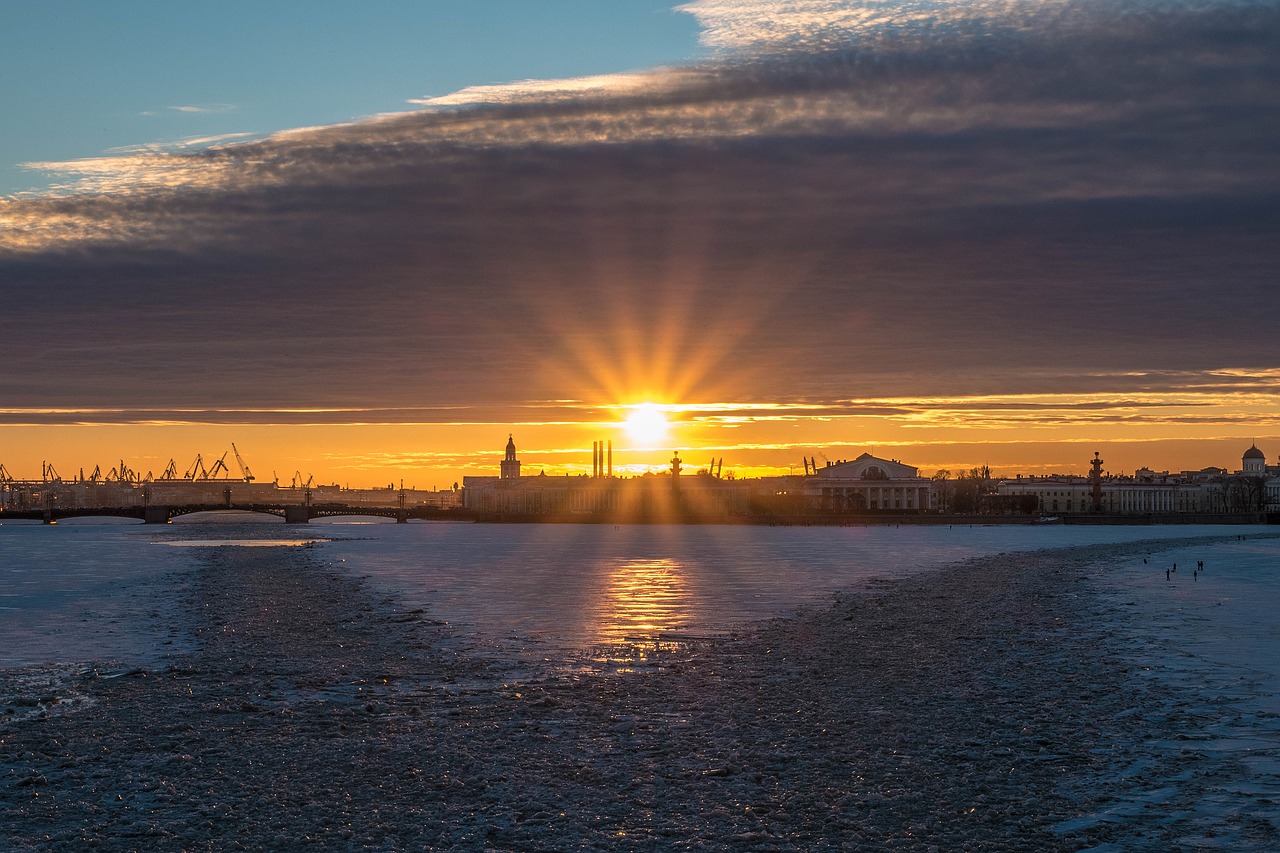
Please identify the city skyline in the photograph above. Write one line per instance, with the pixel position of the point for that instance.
(958, 235)
(625, 461)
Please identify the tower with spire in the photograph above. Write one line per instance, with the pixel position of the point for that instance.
(510, 465)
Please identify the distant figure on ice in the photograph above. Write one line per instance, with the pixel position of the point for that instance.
(1166, 574)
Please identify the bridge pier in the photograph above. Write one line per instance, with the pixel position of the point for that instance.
(297, 514)
(155, 515)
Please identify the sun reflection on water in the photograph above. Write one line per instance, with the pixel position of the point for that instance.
(645, 599)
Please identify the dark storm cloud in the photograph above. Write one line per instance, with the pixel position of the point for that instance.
(967, 207)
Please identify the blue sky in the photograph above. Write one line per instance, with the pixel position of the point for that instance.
(81, 78)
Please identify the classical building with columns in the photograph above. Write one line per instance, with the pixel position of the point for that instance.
(1255, 487)
(869, 483)
(866, 484)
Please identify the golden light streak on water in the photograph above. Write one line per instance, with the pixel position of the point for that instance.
(645, 599)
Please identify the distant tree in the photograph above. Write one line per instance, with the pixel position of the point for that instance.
(973, 490)
(1219, 491)
(1245, 494)
(1256, 488)
(942, 488)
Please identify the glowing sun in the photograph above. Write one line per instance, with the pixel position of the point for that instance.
(647, 424)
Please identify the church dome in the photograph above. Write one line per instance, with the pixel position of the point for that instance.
(1254, 453)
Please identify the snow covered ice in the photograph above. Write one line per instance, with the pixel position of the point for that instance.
(471, 687)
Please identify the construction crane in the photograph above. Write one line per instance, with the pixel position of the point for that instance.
(170, 473)
(196, 471)
(218, 467)
(244, 469)
(124, 474)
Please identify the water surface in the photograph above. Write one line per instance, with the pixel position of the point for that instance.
(89, 592)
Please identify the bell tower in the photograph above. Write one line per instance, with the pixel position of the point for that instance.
(510, 465)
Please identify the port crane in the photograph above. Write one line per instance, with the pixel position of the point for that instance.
(244, 469)
(298, 482)
(5, 476)
(171, 472)
(196, 471)
(125, 474)
(218, 467)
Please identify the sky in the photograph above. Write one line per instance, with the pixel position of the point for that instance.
(370, 244)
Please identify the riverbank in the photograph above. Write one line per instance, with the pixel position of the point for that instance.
(990, 706)
(887, 518)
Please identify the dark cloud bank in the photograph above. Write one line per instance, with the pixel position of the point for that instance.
(955, 210)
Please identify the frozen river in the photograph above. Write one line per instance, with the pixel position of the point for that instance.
(1080, 699)
(81, 592)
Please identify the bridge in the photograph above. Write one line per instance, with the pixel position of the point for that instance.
(291, 513)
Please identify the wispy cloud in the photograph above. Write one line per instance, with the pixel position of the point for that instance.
(203, 108)
(545, 91)
(187, 143)
(192, 109)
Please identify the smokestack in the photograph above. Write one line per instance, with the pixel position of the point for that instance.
(595, 459)
(611, 457)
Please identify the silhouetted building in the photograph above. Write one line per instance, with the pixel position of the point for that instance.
(870, 483)
(1254, 488)
(1254, 462)
(510, 467)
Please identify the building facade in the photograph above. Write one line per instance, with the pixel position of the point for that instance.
(869, 483)
(1255, 487)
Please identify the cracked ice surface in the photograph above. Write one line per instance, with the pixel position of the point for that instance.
(1204, 773)
(1015, 701)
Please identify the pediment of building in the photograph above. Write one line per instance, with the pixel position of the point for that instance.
(871, 468)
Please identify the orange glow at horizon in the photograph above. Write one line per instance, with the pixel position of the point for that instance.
(1187, 427)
